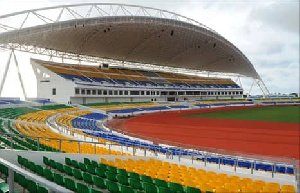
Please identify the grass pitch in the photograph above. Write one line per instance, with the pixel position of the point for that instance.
(287, 114)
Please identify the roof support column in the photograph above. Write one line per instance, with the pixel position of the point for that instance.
(5, 72)
(262, 86)
(19, 75)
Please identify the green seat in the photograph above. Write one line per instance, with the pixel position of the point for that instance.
(122, 172)
(32, 167)
(192, 190)
(77, 174)
(46, 161)
(26, 163)
(90, 169)
(23, 181)
(82, 188)
(59, 179)
(149, 188)
(100, 172)
(164, 190)
(159, 182)
(111, 176)
(68, 170)
(112, 169)
(103, 166)
(4, 187)
(135, 184)
(175, 187)
(87, 178)
(134, 175)
(87, 161)
(112, 187)
(75, 164)
(122, 179)
(68, 161)
(126, 189)
(52, 163)
(92, 190)
(48, 174)
(40, 170)
(94, 163)
(139, 191)
(16, 177)
(147, 179)
(32, 186)
(60, 167)
(70, 184)
(20, 160)
(42, 189)
(82, 166)
(99, 182)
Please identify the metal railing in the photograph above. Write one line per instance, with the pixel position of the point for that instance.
(52, 187)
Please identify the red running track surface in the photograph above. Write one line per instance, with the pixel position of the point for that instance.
(255, 137)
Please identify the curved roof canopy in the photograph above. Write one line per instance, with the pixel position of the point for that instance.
(126, 33)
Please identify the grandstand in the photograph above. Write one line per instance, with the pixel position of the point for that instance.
(146, 62)
(87, 84)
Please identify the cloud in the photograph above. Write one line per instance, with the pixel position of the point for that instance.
(280, 16)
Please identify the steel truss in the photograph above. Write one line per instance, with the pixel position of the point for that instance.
(86, 11)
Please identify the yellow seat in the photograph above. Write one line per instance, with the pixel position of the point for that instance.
(288, 189)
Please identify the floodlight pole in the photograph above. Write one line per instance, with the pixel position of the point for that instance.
(5, 72)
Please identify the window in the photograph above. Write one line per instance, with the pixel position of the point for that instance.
(94, 92)
(142, 92)
(120, 92)
(99, 92)
(77, 90)
(147, 92)
(115, 92)
(105, 92)
(110, 92)
(157, 92)
(82, 91)
(126, 92)
(88, 92)
(53, 91)
(134, 92)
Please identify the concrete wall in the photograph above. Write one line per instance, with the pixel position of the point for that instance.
(37, 157)
(47, 80)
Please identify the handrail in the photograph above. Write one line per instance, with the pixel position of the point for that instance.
(52, 187)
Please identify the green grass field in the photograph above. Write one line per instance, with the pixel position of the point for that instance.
(288, 114)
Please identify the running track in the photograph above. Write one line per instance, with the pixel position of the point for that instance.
(255, 137)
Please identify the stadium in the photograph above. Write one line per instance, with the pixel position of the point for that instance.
(138, 99)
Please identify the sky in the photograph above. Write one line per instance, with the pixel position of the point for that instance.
(266, 31)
